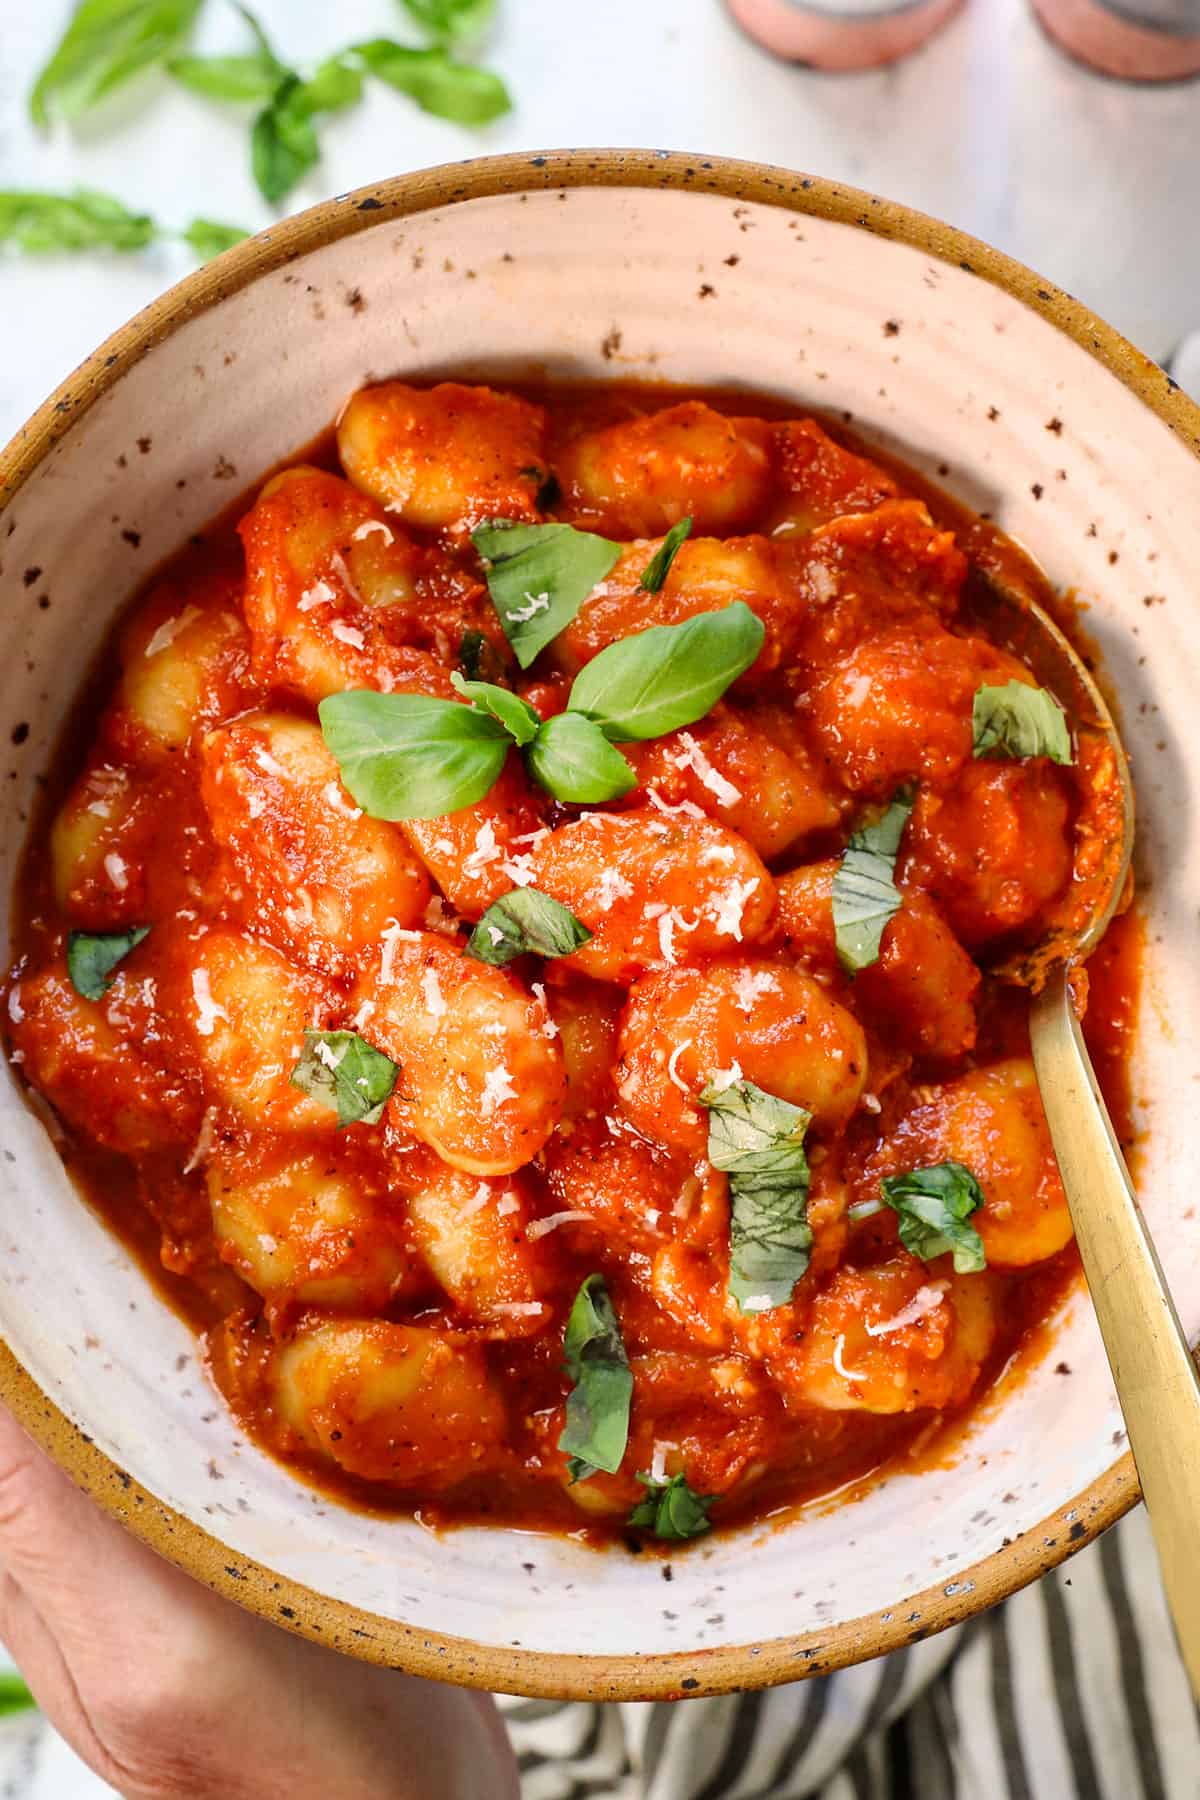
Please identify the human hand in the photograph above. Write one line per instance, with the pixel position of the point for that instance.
(167, 1691)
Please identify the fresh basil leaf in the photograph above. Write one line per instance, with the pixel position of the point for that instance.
(659, 566)
(283, 141)
(933, 1206)
(574, 761)
(597, 1427)
(516, 715)
(105, 44)
(478, 657)
(92, 957)
(409, 756)
(15, 1697)
(758, 1141)
(450, 90)
(209, 239)
(345, 1073)
(227, 77)
(671, 1509)
(525, 921)
(539, 576)
(85, 220)
(865, 898)
(451, 21)
(336, 84)
(657, 680)
(1018, 720)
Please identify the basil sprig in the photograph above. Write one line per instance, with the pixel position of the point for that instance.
(344, 1072)
(758, 1141)
(1017, 720)
(459, 91)
(933, 1206)
(539, 576)
(43, 224)
(659, 566)
(671, 1509)
(105, 44)
(597, 1427)
(411, 756)
(865, 897)
(526, 922)
(451, 21)
(92, 958)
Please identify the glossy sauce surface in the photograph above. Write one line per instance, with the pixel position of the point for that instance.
(385, 1305)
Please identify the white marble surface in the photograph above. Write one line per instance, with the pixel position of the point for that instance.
(1087, 181)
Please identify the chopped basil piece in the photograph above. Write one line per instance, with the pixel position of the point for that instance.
(516, 715)
(933, 1206)
(92, 957)
(1018, 720)
(478, 657)
(671, 1509)
(574, 761)
(459, 91)
(539, 576)
(658, 680)
(659, 566)
(758, 1141)
(104, 45)
(865, 897)
(597, 1427)
(344, 1072)
(522, 922)
(410, 756)
(85, 220)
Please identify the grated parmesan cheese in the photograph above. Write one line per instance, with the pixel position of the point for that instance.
(872, 1103)
(533, 837)
(521, 1309)
(822, 580)
(673, 1068)
(508, 1204)
(658, 1459)
(331, 794)
(520, 870)
(391, 935)
(845, 1373)
(756, 1303)
(117, 870)
(362, 1015)
(267, 763)
(170, 629)
(367, 527)
(348, 634)
(486, 849)
(858, 690)
(16, 1011)
(686, 809)
(720, 1079)
(431, 993)
(538, 1228)
(438, 917)
(718, 853)
(205, 1142)
(750, 984)
(521, 615)
(549, 1029)
(207, 1010)
(693, 758)
(477, 1202)
(926, 1300)
(443, 846)
(612, 887)
(731, 905)
(497, 1088)
(337, 563)
(320, 594)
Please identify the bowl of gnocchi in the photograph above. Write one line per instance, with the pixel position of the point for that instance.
(514, 834)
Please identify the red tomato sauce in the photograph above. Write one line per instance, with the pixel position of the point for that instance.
(384, 1305)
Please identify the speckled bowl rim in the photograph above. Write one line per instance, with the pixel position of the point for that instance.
(321, 1617)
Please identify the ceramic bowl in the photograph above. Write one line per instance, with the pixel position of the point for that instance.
(633, 265)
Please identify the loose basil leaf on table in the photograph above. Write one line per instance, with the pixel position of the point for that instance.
(658, 680)
(597, 1427)
(92, 958)
(539, 576)
(208, 238)
(410, 756)
(106, 43)
(15, 1696)
(85, 220)
(344, 1072)
(1017, 720)
(283, 141)
(933, 1206)
(458, 91)
(451, 21)
(524, 921)
(516, 715)
(865, 897)
(573, 760)
(253, 77)
(671, 1509)
(659, 566)
(758, 1141)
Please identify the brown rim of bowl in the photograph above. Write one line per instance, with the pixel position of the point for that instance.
(539, 1674)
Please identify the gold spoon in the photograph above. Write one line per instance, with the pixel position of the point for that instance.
(1156, 1379)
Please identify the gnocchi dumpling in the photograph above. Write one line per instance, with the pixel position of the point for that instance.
(640, 476)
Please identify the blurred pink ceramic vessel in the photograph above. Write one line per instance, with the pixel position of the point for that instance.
(1141, 40)
(855, 34)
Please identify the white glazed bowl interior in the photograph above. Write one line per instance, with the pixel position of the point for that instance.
(690, 287)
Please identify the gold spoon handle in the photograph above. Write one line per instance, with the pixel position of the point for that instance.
(1156, 1379)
